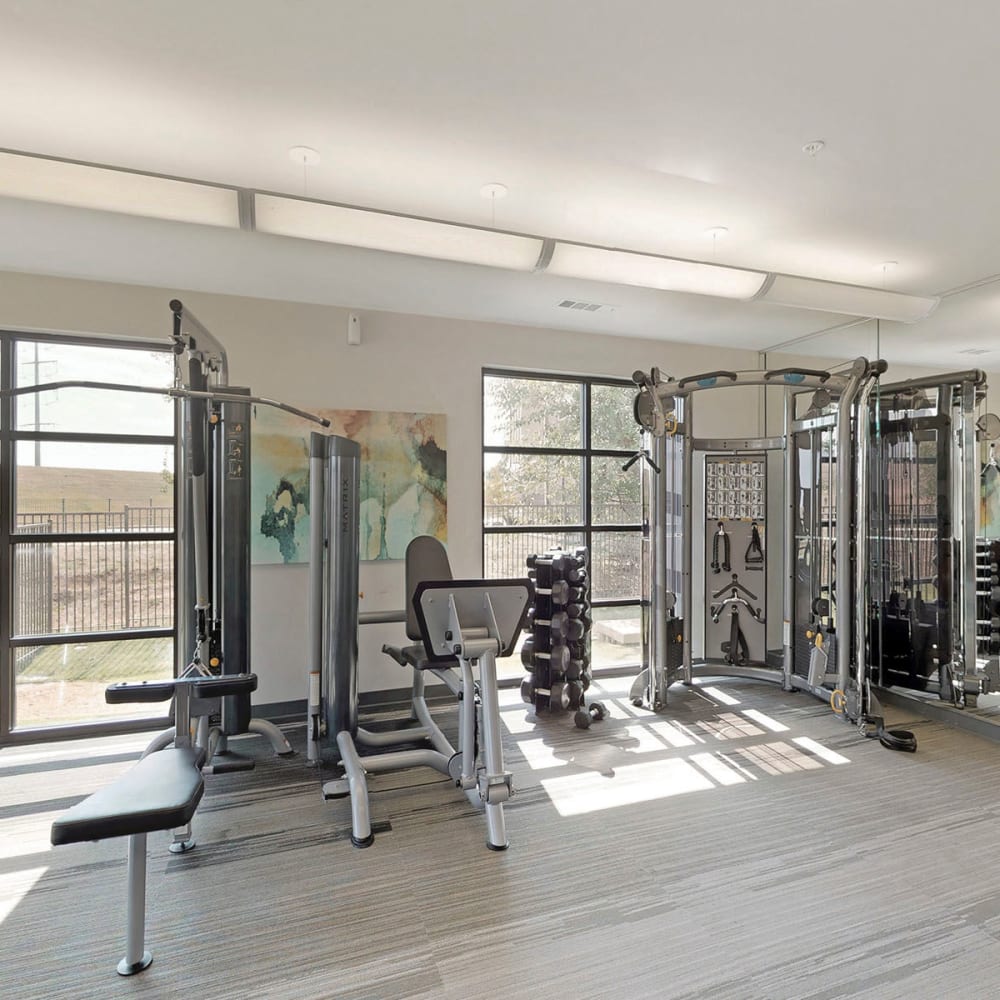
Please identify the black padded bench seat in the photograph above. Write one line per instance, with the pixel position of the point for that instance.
(416, 656)
(160, 792)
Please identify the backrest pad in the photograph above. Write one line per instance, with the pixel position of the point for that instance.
(426, 559)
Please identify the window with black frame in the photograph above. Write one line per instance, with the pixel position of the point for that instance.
(87, 532)
(553, 451)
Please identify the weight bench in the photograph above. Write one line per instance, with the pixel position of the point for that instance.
(161, 792)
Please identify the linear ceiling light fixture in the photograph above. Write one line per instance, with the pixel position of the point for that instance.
(849, 300)
(406, 234)
(111, 189)
(625, 267)
(107, 189)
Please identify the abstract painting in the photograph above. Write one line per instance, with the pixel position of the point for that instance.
(989, 504)
(403, 481)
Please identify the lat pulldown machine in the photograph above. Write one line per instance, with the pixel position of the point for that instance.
(213, 537)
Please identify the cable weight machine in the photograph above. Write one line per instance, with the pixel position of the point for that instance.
(212, 536)
(713, 613)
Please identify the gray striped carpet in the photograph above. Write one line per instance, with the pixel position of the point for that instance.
(744, 844)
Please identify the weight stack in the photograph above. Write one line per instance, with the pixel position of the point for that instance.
(556, 654)
(988, 597)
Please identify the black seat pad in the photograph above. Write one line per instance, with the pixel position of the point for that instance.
(416, 656)
(160, 792)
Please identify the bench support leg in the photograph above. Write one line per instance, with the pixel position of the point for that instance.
(136, 957)
(494, 782)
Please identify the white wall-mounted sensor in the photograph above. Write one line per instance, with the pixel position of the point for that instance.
(353, 329)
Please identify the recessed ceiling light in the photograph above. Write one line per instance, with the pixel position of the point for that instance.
(812, 147)
(493, 191)
(717, 232)
(305, 156)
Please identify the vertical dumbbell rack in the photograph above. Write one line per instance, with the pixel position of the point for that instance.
(557, 651)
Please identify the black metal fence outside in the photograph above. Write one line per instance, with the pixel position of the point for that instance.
(93, 586)
(614, 558)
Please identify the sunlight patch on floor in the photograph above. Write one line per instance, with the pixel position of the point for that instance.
(777, 758)
(14, 886)
(719, 695)
(728, 726)
(718, 769)
(28, 834)
(575, 794)
(674, 734)
(830, 756)
(765, 720)
(539, 755)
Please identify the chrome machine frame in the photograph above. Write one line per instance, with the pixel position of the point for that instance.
(471, 623)
(664, 409)
(939, 410)
(213, 566)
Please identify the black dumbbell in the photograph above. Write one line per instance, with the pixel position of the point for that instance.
(568, 567)
(566, 694)
(564, 626)
(528, 690)
(557, 658)
(561, 592)
(585, 716)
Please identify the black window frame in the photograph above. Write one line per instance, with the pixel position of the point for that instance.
(10, 539)
(586, 452)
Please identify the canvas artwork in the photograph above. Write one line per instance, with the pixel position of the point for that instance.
(403, 481)
(989, 509)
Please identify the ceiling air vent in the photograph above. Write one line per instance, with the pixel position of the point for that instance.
(585, 306)
(975, 350)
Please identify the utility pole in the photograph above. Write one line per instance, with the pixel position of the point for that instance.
(36, 363)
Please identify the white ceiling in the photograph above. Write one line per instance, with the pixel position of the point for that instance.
(636, 124)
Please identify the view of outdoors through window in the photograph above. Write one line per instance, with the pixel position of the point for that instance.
(553, 450)
(91, 472)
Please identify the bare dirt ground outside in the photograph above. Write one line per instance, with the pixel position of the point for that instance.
(65, 684)
(59, 703)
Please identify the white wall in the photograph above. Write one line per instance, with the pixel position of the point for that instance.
(298, 353)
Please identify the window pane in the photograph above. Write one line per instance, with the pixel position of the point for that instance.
(64, 487)
(532, 413)
(532, 489)
(92, 586)
(612, 424)
(505, 555)
(616, 496)
(616, 636)
(614, 565)
(100, 411)
(59, 685)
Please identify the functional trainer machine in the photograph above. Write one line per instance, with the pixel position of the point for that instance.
(874, 489)
(459, 627)
(738, 573)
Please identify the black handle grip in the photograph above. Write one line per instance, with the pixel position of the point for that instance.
(706, 375)
(815, 372)
(226, 684)
(135, 692)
